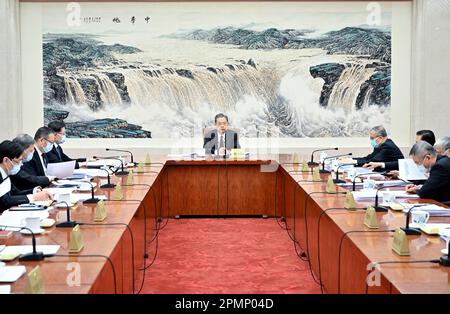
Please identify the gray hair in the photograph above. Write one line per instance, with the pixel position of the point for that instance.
(421, 149)
(24, 140)
(379, 130)
(443, 143)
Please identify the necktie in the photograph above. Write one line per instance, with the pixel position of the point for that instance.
(221, 143)
(58, 150)
(44, 158)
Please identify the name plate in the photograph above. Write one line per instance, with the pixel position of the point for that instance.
(331, 187)
(400, 244)
(117, 193)
(100, 211)
(350, 202)
(370, 219)
(34, 283)
(237, 153)
(76, 241)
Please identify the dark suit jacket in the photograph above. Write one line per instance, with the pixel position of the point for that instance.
(211, 141)
(57, 155)
(386, 152)
(437, 187)
(34, 166)
(14, 197)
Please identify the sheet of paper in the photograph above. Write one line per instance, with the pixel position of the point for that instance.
(104, 162)
(409, 170)
(5, 289)
(11, 273)
(24, 249)
(16, 218)
(5, 187)
(91, 172)
(61, 169)
(370, 194)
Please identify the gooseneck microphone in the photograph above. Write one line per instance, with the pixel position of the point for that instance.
(382, 208)
(123, 151)
(28, 257)
(332, 157)
(108, 185)
(122, 172)
(407, 229)
(312, 163)
(337, 180)
(69, 223)
(93, 199)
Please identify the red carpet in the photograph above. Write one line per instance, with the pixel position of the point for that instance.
(227, 256)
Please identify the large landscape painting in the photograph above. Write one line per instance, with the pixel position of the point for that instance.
(163, 70)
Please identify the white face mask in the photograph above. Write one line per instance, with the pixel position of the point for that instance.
(423, 169)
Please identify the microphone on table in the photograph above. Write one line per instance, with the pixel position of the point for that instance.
(29, 257)
(332, 157)
(337, 180)
(69, 223)
(407, 229)
(123, 151)
(382, 208)
(122, 172)
(108, 185)
(312, 163)
(93, 199)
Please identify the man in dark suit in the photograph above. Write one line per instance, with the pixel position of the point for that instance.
(11, 156)
(37, 166)
(24, 180)
(57, 153)
(221, 139)
(384, 149)
(422, 135)
(437, 187)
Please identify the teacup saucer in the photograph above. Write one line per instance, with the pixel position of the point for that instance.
(444, 251)
(26, 231)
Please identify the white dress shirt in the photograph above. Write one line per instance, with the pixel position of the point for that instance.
(5, 186)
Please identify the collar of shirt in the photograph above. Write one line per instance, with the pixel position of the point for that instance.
(38, 150)
(3, 173)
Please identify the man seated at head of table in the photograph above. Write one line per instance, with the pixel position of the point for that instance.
(26, 179)
(11, 156)
(57, 154)
(384, 149)
(437, 187)
(221, 140)
(422, 135)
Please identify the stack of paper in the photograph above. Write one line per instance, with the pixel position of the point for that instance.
(91, 172)
(11, 273)
(48, 250)
(17, 218)
(5, 289)
(433, 209)
(370, 194)
(104, 162)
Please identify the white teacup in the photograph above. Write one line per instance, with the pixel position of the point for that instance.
(369, 184)
(420, 217)
(63, 197)
(32, 223)
(388, 197)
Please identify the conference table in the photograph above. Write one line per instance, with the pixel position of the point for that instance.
(339, 248)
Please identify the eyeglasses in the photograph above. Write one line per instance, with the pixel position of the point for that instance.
(48, 141)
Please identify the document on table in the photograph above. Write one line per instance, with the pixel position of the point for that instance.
(17, 218)
(11, 273)
(5, 289)
(92, 172)
(24, 249)
(409, 171)
(433, 209)
(61, 169)
(104, 162)
(370, 194)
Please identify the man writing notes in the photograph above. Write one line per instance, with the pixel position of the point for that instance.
(437, 187)
(11, 156)
(384, 149)
(221, 139)
(422, 135)
(57, 154)
(24, 180)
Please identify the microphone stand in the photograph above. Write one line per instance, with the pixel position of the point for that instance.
(33, 256)
(382, 208)
(93, 199)
(337, 180)
(331, 157)
(312, 163)
(407, 229)
(69, 223)
(123, 151)
(109, 185)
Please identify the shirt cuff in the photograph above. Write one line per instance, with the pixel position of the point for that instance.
(30, 197)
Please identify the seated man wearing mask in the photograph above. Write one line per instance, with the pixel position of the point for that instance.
(11, 155)
(384, 149)
(437, 187)
(44, 139)
(24, 180)
(422, 135)
(221, 139)
(57, 154)
(442, 146)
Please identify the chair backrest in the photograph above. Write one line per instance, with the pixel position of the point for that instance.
(211, 128)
